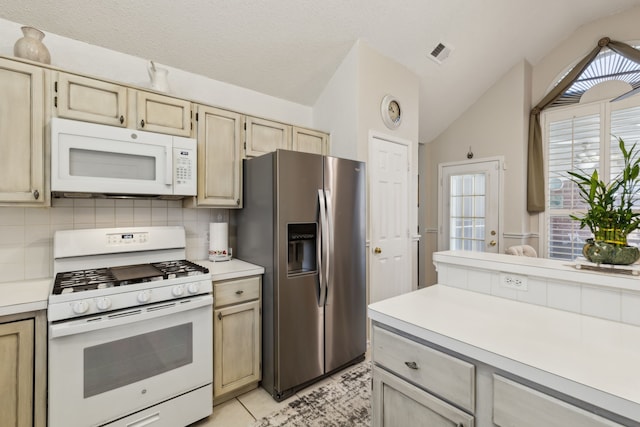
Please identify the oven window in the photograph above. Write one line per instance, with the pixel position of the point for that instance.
(119, 363)
(104, 164)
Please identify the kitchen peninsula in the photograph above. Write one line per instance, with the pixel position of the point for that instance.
(505, 340)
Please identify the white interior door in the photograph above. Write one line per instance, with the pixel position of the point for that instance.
(470, 206)
(390, 259)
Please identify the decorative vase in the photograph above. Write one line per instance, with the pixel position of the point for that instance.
(31, 47)
(600, 252)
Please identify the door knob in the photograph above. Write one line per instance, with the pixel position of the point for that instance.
(492, 243)
(377, 251)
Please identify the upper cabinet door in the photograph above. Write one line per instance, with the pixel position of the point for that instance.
(264, 136)
(310, 141)
(164, 114)
(22, 163)
(82, 98)
(219, 157)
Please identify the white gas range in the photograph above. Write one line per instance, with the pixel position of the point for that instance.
(130, 330)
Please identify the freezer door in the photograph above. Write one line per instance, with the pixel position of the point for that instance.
(298, 315)
(345, 311)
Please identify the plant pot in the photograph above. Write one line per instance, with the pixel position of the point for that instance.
(600, 252)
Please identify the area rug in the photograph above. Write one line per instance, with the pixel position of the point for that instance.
(344, 402)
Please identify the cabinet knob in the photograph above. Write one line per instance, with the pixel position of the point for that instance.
(36, 194)
(141, 123)
(411, 365)
(121, 119)
(377, 251)
(219, 316)
(240, 292)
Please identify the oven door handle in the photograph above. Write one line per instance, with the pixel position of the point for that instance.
(124, 317)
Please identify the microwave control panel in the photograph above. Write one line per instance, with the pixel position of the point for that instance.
(184, 171)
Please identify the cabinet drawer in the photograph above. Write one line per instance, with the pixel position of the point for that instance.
(444, 375)
(236, 291)
(516, 404)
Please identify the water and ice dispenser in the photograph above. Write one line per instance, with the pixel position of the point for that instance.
(302, 239)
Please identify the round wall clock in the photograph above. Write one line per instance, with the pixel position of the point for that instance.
(391, 111)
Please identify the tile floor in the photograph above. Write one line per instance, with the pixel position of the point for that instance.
(253, 405)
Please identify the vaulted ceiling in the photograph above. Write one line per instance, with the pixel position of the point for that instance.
(291, 48)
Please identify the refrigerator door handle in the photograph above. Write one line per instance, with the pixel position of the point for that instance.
(321, 246)
(328, 261)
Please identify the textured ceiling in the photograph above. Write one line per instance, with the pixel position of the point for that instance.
(291, 48)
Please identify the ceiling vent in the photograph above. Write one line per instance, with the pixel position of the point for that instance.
(440, 53)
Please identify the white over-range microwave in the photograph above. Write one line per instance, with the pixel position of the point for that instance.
(89, 159)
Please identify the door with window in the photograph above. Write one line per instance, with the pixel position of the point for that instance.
(470, 206)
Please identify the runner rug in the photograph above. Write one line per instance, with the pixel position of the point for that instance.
(345, 401)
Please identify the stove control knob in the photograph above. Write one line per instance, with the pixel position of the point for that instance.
(177, 291)
(144, 296)
(80, 307)
(193, 288)
(103, 303)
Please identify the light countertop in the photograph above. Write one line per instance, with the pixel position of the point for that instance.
(232, 269)
(23, 296)
(594, 360)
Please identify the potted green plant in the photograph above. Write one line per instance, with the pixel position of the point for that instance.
(610, 215)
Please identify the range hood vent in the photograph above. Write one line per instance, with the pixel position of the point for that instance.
(440, 52)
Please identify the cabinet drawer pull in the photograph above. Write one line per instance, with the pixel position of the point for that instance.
(219, 316)
(141, 123)
(121, 119)
(411, 365)
(36, 194)
(240, 292)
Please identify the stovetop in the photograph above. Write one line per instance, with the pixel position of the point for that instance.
(102, 278)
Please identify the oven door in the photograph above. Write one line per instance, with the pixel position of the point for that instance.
(102, 368)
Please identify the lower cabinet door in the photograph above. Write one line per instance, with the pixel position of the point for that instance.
(16, 373)
(397, 403)
(236, 347)
(518, 405)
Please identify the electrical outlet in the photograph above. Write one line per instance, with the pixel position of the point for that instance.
(513, 281)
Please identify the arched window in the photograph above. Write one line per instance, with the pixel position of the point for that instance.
(580, 130)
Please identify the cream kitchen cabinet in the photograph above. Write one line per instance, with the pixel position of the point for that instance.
(264, 136)
(219, 134)
(236, 337)
(310, 141)
(398, 403)
(23, 165)
(515, 404)
(92, 100)
(22, 372)
(163, 114)
(415, 385)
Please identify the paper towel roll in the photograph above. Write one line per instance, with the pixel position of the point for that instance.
(218, 241)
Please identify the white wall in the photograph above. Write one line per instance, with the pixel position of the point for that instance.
(497, 124)
(494, 126)
(350, 103)
(80, 57)
(337, 108)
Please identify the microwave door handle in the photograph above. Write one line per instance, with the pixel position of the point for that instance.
(168, 172)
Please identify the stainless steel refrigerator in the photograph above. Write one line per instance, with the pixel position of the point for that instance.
(303, 219)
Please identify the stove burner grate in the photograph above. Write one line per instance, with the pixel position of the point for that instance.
(100, 278)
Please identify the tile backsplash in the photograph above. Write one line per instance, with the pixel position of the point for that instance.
(26, 234)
